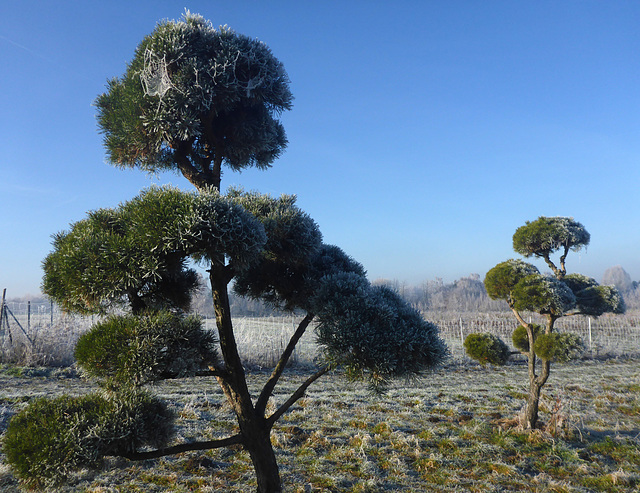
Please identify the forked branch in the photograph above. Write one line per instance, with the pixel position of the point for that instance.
(295, 396)
(261, 404)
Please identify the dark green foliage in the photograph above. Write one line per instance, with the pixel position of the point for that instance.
(558, 347)
(502, 279)
(41, 444)
(290, 285)
(372, 333)
(597, 300)
(135, 419)
(51, 438)
(486, 348)
(222, 228)
(133, 350)
(578, 282)
(520, 337)
(548, 234)
(282, 275)
(543, 294)
(225, 94)
(292, 235)
(131, 255)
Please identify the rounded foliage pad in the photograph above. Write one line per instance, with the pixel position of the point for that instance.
(559, 347)
(520, 337)
(371, 332)
(133, 350)
(486, 348)
(51, 438)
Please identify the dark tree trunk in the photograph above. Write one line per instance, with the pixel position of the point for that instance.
(531, 412)
(536, 382)
(254, 429)
(257, 441)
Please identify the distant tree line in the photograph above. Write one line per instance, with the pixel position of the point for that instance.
(466, 294)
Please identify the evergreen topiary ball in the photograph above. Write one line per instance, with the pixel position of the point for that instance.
(560, 348)
(520, 338)
(134, 350)
(51, 438)
(372, 333)
(486, 348)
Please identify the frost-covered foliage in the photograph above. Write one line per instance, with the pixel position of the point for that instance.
(224, 230)
(548, 234)
(559, 347)
(158, 217)
(372, 333)
(105, 260)
(543, 294)
(520, 337)
(294, 259)
(502, 279)
(577, 282)
(597, 300)
(134, 350)
(486, 349)
(51, 438)
(221, 98)
(292, 235)
(593, 299)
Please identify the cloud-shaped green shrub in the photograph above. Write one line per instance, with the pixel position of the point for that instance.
(486, 348)
(134, 350)
(559, 347)
(373, 333)
(51, 438)
(520, 338)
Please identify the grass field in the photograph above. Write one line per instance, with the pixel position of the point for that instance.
(455, 430)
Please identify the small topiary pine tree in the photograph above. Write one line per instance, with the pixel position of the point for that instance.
(522, 286)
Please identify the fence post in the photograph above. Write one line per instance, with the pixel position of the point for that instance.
(28, 316)
(590, 342)
(461, 334)
(51, 305)
(4, 294)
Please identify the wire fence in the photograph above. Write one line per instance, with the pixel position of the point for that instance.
(42, 334)
(605, 336)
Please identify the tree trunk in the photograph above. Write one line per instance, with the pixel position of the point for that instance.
(254, 428)
(257, 440)
(531, 412)
(536, 382)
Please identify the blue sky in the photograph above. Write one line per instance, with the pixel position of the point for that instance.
(422, 133)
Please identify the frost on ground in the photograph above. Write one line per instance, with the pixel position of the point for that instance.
(454, 430)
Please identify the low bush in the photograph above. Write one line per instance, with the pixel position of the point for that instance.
(51, 438)
(557, 347)
(135, 350)
(486, 348)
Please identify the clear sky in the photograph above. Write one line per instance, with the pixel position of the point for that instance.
(423, 133)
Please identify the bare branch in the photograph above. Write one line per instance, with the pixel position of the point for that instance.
(184, 447)
(295, 396)
(261, 404)
(562, 272)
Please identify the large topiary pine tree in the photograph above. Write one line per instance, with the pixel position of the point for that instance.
(194, 99)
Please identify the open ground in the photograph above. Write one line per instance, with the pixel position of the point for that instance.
(454, 430)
